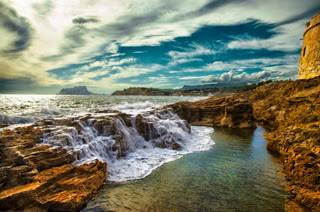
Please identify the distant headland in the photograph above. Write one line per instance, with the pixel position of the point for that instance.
(77, 90)
(195, 90)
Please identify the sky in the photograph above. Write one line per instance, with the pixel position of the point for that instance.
(110, 45)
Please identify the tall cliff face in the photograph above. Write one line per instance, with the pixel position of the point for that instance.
(309, 66)
(77, 90)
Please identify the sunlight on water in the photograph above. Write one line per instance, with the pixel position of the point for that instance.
(30, 108)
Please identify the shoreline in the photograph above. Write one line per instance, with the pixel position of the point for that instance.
(288, 109)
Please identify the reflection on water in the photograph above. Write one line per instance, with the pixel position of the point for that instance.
(236, 174)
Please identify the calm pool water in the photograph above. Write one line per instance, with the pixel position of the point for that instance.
(236, 174)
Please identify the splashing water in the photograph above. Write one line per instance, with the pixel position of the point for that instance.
(133, 146)
(133, 142)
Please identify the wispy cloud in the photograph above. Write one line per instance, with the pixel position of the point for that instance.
(38, 36)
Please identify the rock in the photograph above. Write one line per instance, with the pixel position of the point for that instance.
(221, 110)
(38, 178)
(290, 110)
(77, 90)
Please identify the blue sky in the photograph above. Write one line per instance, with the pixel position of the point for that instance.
(112, 45)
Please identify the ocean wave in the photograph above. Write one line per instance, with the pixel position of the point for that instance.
(135, 108)
(7, 119)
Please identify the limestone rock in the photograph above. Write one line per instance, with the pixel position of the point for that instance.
(221, 110)
(290, 110)
(39, 178)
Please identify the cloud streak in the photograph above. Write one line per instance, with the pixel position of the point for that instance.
(108, 44)
(17, 25)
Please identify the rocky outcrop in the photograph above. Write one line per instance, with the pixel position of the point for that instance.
(290, 110)
(36, 177)
(44, 177)
(222, 110)
(77, 90)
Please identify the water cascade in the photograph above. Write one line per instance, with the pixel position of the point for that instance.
(132, 145)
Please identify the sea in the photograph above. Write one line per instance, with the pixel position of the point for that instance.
(214, 170)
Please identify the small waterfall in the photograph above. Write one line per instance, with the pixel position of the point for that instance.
(114, 136)
(132, 145)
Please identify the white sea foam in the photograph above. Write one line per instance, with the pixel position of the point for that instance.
(7, 119)
(135, 108)
(142, 154)
(143, 161)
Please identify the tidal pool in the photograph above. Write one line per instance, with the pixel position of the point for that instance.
(236, 174)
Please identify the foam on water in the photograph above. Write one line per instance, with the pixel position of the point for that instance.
(143, 161)
(17, 109)
(136, 108)
(141, 152)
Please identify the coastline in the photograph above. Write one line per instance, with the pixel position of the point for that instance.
(288, 109)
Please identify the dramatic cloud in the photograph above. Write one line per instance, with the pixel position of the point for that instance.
(16, 26)
(85, 20)
(110, 45)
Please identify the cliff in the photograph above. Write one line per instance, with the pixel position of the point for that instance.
(77, 90)
(290, 110)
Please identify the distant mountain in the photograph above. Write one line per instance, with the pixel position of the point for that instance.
(77, 90)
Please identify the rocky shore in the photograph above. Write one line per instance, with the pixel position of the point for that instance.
(40, 165)
(36, 177)
(291, 111)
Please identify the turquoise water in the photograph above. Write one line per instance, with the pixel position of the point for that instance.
(236, 174)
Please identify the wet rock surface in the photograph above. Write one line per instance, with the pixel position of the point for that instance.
(52, 166)
(39, 178)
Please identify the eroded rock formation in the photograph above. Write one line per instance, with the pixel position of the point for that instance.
(39, 178)
(291, 110)
(224, 111)
(44, 177)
